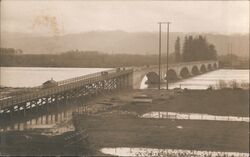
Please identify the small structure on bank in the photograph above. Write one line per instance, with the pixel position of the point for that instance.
(50, 83)
(142, 99)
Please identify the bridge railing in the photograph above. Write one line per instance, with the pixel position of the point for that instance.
(62, 86)
(80, 78)
(175, 64)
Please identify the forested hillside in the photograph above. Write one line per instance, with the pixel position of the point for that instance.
(117, 42)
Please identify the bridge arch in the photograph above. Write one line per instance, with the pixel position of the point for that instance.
(209, 67)
(184, 73)
(175, 72)
(203, 68)
(172, 75)
(195, 70)
(152, 77)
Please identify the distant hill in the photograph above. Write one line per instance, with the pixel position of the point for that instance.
(116, 42)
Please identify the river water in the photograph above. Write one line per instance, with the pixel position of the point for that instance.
(35, 76)
(193, 116)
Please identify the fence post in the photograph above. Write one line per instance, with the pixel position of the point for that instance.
(3, 138)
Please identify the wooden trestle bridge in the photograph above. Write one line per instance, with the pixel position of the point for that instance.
(79, 87)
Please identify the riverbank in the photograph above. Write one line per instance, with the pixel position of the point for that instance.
(113, 121)
(121, 127)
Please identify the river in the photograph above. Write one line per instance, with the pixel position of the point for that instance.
(35, 76)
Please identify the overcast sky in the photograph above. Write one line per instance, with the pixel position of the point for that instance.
(65, 17)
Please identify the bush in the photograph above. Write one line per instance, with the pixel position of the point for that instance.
(232, 84)
(222, 84)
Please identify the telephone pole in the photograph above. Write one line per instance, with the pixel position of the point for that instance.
(159, 83)
(168, 23)
(231, 51)
(160, 23)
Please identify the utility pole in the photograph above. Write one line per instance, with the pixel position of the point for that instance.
(168, 23)
(160, 23)
(231, 48)
(159, 85)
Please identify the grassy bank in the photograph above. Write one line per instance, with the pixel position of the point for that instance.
(216, 102)
(120, 126)
(116, 131)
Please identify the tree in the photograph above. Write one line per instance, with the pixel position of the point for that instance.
(197, 49)
(187, 49)
(212, 52)
(177, 50)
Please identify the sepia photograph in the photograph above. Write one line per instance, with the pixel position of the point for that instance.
(137, 78)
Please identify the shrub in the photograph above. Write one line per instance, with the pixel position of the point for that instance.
(232, 84)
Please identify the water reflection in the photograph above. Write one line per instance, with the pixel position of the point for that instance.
(50, 124)
(193, 116)
(124, 151)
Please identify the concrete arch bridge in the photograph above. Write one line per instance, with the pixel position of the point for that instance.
(175, 71)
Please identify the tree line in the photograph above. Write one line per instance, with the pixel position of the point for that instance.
(194, 49)
(77, 58)
(10, 51)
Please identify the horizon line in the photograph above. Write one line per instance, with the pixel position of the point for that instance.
(117, 30)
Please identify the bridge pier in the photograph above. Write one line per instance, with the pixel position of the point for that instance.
(24, 111)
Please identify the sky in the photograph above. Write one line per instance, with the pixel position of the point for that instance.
(61, 17)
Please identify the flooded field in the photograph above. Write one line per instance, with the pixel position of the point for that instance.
(193, 116)
(124, 151)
